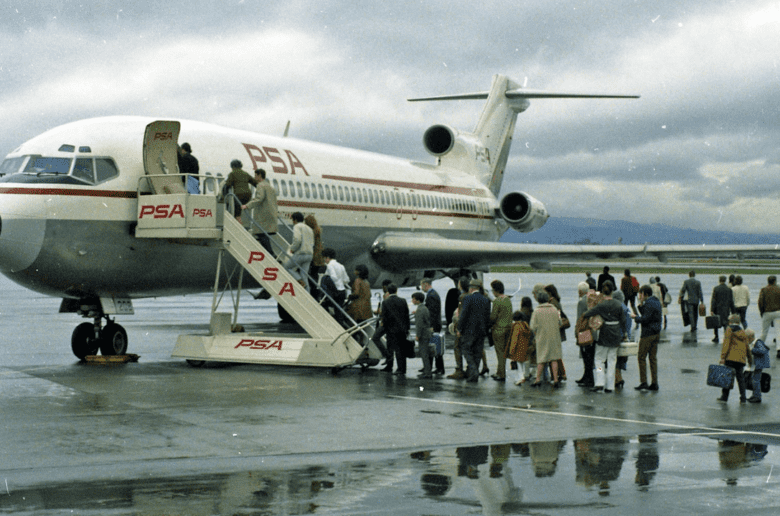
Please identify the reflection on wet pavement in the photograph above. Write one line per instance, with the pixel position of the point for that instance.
(645, 474)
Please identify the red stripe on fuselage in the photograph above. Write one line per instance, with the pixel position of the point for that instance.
(69, 191)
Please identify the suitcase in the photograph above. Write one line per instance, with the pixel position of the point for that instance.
(721, 376)
(628, 349)
(712, 322)
(766, 381)
(438, 342)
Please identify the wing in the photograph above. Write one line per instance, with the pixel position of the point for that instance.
(425, 251)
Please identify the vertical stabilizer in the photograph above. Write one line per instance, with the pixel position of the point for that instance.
(484, 153)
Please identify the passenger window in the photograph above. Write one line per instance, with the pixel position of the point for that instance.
(327, 191)
(300, 189)
(359, 196)
(308, 191)
(105, 169)
(341, 193)
(83, 170)
(276, 186)
(322, 191)
(284, 188)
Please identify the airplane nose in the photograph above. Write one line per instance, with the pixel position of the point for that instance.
(22, 227)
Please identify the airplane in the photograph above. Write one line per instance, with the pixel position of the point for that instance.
(71, 198)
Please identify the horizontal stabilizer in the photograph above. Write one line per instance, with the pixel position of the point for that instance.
(521, 93)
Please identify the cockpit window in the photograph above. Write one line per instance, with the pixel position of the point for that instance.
(11, 165)
(39, 165)
(38, 169)
(83, 170)
(106, 169)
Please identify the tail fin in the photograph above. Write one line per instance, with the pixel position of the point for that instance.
(484, 153)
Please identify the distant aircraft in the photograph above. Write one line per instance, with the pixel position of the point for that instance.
(71, 200)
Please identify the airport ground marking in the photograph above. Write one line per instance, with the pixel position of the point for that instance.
(704, 430)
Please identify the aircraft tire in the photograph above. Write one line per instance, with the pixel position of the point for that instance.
(113, 340)
(83, 342)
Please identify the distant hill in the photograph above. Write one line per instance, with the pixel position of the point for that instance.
(566, 230)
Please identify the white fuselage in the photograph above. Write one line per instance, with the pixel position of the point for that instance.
(64, 236)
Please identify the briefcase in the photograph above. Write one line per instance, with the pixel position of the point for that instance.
(766, 381)
(712, 322)
(721, 376)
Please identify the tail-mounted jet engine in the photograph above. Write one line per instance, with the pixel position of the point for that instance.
(522, 212)
(439, 140)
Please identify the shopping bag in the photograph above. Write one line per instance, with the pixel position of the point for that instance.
(628, 349)
(438, 342)
(721, 376)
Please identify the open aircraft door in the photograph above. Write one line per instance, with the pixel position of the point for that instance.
(161, 157)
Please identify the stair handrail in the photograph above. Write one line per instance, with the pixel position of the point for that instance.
(310, 280)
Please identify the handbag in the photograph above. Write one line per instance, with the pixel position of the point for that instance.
(702, 310)
(565, 324)
(584, 333)
(766, 380)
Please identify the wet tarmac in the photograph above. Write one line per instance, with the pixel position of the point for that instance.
(160, 437)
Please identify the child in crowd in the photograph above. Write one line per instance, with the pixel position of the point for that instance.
(760, 362)
(521, 346)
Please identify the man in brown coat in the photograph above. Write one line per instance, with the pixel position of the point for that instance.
(769, 307)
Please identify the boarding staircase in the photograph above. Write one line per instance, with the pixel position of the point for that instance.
(201, 217)
(166, 209)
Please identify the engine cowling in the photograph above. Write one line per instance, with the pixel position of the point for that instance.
(522, 212)
(439, 139)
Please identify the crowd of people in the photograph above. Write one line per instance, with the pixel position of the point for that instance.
(530, 338)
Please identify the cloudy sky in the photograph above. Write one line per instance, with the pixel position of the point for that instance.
(699, 149)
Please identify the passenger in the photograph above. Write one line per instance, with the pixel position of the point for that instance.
(433, 303)
(555, 300)
(265, 212)
(239, 181)
(760, 362)
(519, 343)
(610, 337)
(316, 259)
(458, 374)
(359, 307)
(734, 353)
(301, 249)
(423, 327)
(590, 281)
(629, 286)
(605, 276)
(501, 326)
(395, 319)
(337, 273)
(380, 329)
(546, 325)
(587, 353)
(651, 318)
(721, 304)
(622, 362)
(769, 308)
(473, 324)
(741, 295)
(666, 299)
(690, 297)
(527, 309)
(188, 165)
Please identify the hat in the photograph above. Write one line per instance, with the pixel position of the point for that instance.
(475, 283)
(734, 319)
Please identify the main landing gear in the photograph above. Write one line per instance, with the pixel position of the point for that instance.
(88, 338)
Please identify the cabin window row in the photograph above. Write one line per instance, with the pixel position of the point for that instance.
(373, 196)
